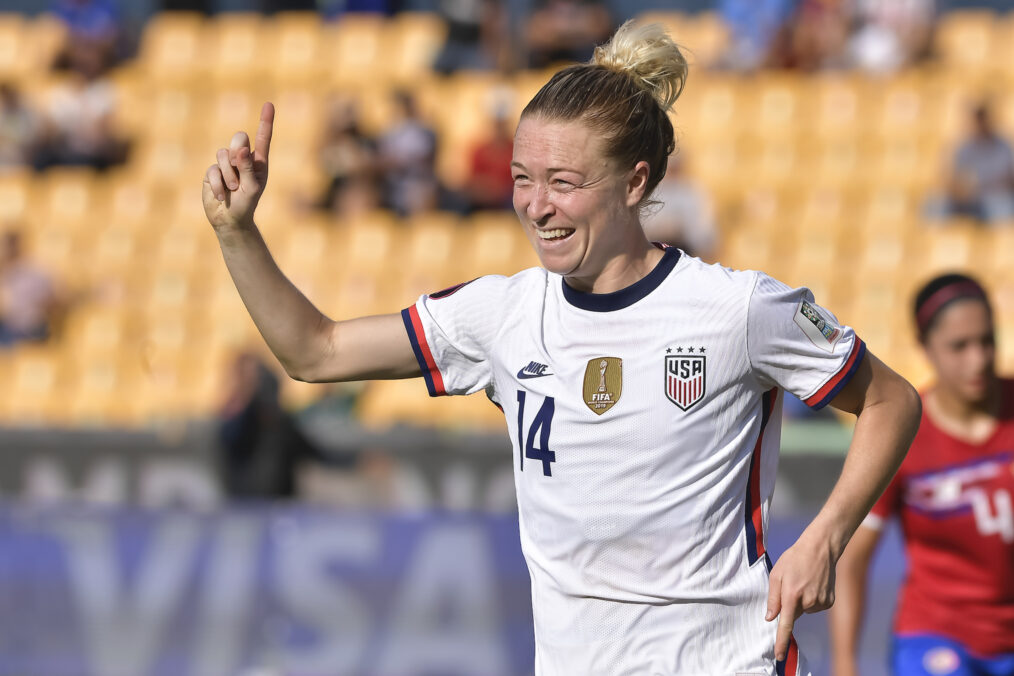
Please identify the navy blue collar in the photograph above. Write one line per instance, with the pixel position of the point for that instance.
(625, 297)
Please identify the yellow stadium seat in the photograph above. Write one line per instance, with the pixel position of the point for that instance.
(367, 242)
(130, 201)
(28, 47)
(359, 293)
(707, 38)
(412, 41)
(13, 30)
(998, 253)
(294, 42)
(387, 402)
(234, 48)
(35, 393)
(97, 330)
(65, 195)
(171, 47)
(494, 242)
(672, 21)
(712, 108)
(432, 241)
(103, 388)
(352, 47)
(903, 106)
(16, 195)
(949, 248)
(780, 105)
(965, 39)
(299, 120)
(307, 245)
(841, 103)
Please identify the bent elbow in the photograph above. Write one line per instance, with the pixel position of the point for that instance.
(913, 406)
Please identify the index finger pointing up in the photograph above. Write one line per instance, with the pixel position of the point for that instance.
(263, 139)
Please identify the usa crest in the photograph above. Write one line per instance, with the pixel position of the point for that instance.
(685, 378)
(603, 383)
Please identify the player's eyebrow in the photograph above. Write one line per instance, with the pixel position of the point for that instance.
(549, 170)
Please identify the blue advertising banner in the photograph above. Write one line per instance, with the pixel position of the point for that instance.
(296, 590)
(261, 591)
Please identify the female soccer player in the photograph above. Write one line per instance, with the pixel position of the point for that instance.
(641, 387)
(953, 496)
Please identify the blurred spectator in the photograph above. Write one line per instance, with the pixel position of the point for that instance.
(815, 37)
(490, 185)
(262, 445)
(754, 25)
(20, 129)
(566, 30)
(91, 24)
(335, 8)
(890, 33)
(80, 128)
(349, 159)
(475, 35)
(685, 217)
(408, 159)
(29, 303)
(981, 182)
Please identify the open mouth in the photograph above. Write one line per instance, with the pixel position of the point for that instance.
(554, 235)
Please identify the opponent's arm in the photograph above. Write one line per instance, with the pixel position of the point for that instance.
(309, 346)
(888, 411)
(846, 616)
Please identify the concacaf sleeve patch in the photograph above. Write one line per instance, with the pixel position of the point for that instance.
(818, 327)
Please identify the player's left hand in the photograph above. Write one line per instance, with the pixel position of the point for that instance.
(801, 582)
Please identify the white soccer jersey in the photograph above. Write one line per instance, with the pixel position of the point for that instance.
(645, 425)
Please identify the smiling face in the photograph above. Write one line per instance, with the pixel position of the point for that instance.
(961, 348)
(578, 209)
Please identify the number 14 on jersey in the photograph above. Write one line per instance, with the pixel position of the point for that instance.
(538, 431)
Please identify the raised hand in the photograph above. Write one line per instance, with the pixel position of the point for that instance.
(233, 186)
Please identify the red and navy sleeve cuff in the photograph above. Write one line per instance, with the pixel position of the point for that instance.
(834, 385)
(423, 354)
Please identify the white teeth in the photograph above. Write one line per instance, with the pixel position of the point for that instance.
(553, 234)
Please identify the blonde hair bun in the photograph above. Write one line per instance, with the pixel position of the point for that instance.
(647, 54)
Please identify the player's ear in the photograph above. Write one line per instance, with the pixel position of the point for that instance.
(637, 185)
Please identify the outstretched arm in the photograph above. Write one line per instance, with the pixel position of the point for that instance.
(888, 411)
(846, 617)
(309, 345)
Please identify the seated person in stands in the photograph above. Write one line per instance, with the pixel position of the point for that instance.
(981, 182)
(566, 30)
(29, 304)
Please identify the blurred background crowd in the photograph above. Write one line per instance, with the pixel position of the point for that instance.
(853, 146)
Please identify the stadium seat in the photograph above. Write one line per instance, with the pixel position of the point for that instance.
(65, 195)
(234, 49)
(36, 390)
(293, 40)
(411, 43)
(352, 50)
(496, 245)
(15, 196)
(171, 47)
(964, 40)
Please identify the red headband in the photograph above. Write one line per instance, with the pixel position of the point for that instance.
(932, 305)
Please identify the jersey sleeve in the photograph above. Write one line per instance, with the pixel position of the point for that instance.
(452, 333)
(795, 344)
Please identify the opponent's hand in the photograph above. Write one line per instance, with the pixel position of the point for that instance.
(801, 582)
(233, 186)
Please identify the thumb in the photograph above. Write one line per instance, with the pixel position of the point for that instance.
(244, 162)
(774, 598)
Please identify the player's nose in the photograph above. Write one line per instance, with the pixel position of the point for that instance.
(539, 204)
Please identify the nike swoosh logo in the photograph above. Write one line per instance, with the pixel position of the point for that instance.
(523, 375)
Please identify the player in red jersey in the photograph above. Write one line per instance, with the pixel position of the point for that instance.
(953, 495)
